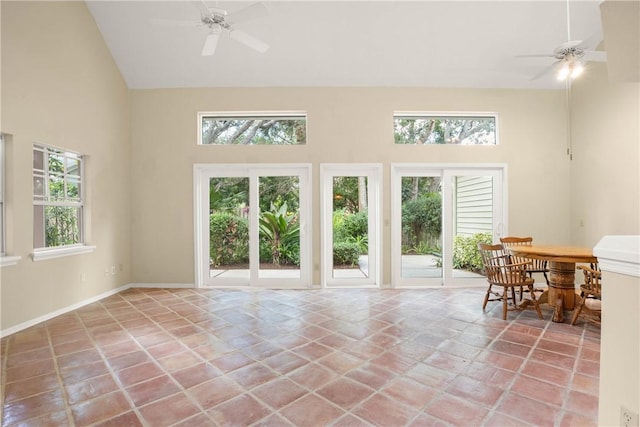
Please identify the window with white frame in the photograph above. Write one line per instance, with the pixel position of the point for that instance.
(243, 128)
(444, 128)
(57, 197)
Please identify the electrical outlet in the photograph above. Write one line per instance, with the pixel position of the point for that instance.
(106, 271)
(113, 270)
(628, 418)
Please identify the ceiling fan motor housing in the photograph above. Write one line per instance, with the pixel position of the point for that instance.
(216, 17)
(569, 53)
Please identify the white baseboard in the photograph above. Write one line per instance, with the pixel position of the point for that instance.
(163, 285)
(33, 322)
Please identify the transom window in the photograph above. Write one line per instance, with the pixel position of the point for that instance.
(457, 129)
(252, 128)
(57, 197)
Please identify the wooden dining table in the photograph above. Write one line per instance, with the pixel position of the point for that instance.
(562, 273)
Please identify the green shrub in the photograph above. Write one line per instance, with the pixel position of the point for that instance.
(289, 253)
(339, 231)
(361, 241)
(228, 239)
(351, 228)
(356, 225)
(265, 251)
(465, 251)
(422, 219)
(345, 253)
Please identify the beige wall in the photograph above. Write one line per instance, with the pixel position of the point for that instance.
(344, 125)
(605, 172)
(605, 200)
(60, 86)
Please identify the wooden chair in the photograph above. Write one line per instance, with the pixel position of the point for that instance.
(502, 272)
(534, 265)
(591, 295)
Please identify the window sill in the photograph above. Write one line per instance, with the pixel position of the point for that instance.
(6, 261)
(44, 254)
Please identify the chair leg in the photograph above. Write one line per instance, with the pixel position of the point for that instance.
(535, 301)
(486, 298)
(505, 299)
(577, 311)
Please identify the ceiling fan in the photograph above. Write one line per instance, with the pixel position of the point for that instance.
(219, 21)
(572, 55)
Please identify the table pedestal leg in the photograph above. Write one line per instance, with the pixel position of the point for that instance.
(561, 287)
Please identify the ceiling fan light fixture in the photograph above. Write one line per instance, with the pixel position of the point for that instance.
(570, 69)
(564, 71)
(577, 69)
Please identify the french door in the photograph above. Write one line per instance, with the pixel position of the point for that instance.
(438, 214)
(350, 204)
(252, 225)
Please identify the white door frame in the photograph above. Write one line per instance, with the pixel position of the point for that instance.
(202, 173)
(498, 171)
(373, 172)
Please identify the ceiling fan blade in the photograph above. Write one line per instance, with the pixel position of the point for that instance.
(201, 6)
(248, 40)
(592, 41)
(595, 56)
(254, 11)
(547, 70)
(210, 43)
(174, 23)
(536, 56)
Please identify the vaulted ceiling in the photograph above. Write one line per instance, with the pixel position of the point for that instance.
(346, 43)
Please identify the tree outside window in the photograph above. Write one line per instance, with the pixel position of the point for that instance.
(253, 130)
(434, 129)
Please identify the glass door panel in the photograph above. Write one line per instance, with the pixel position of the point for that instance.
(279, 227)
(421, 227)
(229, 228)
(350, 220)
(472, 220)
(473, 214)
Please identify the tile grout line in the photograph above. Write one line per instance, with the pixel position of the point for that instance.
(518, 372)
(567, 391)
(167, 373)
(67, 406)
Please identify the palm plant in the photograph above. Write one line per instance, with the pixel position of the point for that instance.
(281, 230)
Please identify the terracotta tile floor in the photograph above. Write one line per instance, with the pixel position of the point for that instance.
(349, 357)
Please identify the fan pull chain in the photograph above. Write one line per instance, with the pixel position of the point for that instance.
(568, 105)
(568, 21)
